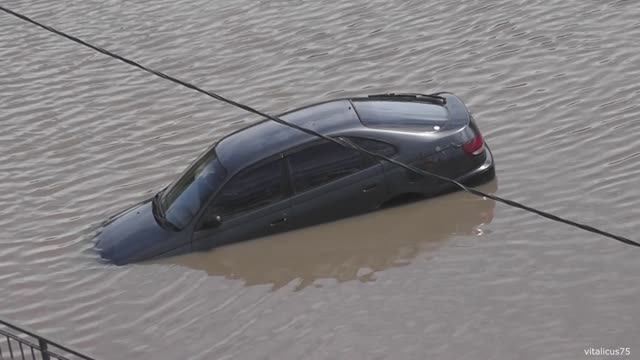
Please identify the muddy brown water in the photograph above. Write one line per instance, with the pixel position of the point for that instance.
(554, 86)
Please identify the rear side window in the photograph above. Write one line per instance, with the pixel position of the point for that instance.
(323, 163)
(250, 189)
(376, 146)
(401, 115)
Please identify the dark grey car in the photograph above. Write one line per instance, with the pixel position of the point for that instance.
(269, 178)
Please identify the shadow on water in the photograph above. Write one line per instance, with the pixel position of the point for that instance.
(349, 249)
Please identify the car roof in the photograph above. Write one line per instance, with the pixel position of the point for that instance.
(267, 138)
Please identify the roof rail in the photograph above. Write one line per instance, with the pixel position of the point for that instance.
(19, 343)
(434, 98)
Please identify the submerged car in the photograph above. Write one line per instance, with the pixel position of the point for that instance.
(269, 178)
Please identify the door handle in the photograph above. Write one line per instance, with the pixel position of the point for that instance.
(368, 188)
(278, 222)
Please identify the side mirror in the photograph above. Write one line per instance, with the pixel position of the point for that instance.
(212, 222)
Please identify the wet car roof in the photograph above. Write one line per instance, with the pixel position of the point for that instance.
(267, 138)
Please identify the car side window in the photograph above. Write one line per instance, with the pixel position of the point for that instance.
(376, 146)
(248, 190)
(322, 163)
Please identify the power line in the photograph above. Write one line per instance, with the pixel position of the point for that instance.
(325, 137)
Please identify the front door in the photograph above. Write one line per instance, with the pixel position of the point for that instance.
(254, 203)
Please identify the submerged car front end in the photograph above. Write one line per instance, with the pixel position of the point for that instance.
(135, 235)
(162, 225)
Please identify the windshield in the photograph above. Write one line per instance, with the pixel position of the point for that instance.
(182, 199)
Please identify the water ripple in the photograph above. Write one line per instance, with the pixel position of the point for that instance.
(553, 86)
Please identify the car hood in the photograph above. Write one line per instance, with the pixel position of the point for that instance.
(135, 235)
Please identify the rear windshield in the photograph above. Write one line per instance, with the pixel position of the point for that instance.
(402, 115)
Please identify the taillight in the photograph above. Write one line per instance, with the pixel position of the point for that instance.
(475, 146)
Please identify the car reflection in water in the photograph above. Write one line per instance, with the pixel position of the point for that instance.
(349, 249)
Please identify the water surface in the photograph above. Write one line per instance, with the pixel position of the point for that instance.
(554, 86)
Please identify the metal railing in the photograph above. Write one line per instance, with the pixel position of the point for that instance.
(23, 344)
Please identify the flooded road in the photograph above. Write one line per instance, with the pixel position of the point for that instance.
(555, 90)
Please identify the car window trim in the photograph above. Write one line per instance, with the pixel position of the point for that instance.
(285, 184)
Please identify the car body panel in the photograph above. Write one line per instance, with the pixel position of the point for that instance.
(354, 194)
(135, 235)
(264, 221)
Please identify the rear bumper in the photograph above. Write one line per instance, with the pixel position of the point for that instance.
(482, 173)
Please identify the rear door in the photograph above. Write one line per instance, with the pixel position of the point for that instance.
(253, 203)
(331, 182)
